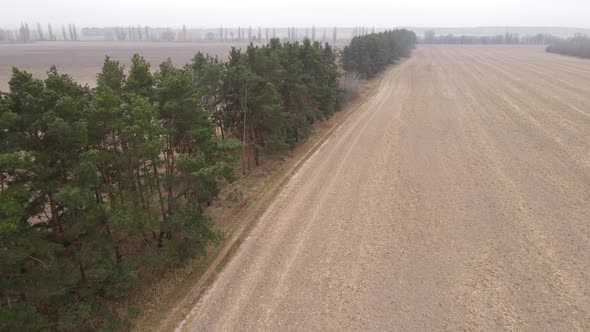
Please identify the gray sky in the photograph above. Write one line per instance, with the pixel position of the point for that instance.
(379, 13)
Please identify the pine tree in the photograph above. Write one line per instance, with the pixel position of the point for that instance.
(99, 185)
(140, 80)
(369, 54)
(187, 158)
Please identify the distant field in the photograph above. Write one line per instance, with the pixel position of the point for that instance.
(455, 198)
(83, 60)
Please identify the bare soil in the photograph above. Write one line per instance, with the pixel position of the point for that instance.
(170, 297)
(83, 60)
(458, 197)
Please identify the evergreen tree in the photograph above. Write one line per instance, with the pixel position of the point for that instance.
(369, 54)
(99, 185)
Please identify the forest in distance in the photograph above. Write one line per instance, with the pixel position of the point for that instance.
(100, 184)
(38, 33)
(578, 46)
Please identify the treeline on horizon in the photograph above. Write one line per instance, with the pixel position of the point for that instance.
(99, 186)
(137, 33)
(430, 37)
(578, 46)
(25, 34)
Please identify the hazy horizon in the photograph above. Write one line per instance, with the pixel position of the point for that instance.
(378, 13)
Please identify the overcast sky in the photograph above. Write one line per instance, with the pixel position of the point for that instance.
(379, 13)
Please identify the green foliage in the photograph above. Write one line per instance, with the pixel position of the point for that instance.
(370, 54)
(98, 185)
(280, 89)
(84, 177)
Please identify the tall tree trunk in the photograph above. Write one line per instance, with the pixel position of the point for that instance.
(140, 190)
(244, 137)
(55, 224)
(160, 195)
(82, 269)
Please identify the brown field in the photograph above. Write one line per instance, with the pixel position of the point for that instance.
(456, 198)
(83, 60)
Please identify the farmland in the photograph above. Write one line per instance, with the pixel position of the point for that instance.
(83, 60)
(455, 198)
(113, 182)
(454, 195)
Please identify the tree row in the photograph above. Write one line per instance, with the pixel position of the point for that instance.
(98, 186)
(369, 54)
(430, 37)
(578, 46)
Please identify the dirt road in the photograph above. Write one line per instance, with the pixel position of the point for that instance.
(458, 198)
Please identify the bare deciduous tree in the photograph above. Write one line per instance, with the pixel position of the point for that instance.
(39, 31)
(334, 35)
(50, 32)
